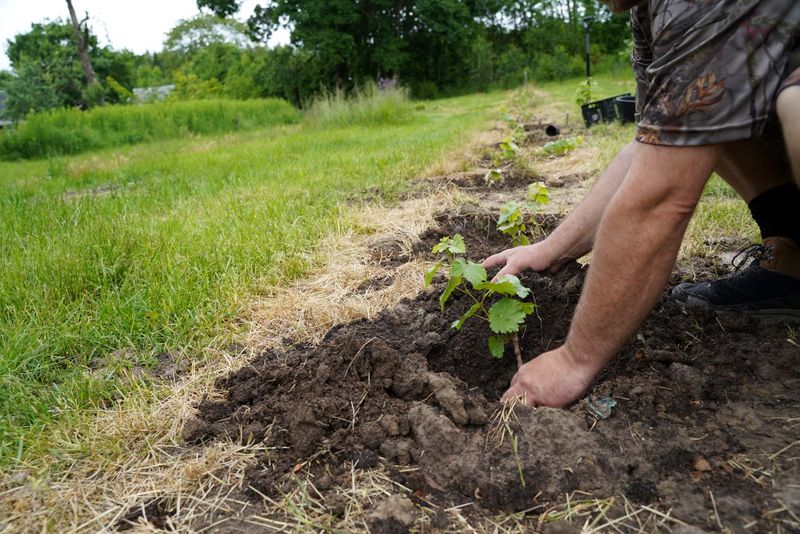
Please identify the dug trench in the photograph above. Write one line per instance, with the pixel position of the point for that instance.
(705, 419)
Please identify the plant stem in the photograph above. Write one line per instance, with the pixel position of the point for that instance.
(517, 351)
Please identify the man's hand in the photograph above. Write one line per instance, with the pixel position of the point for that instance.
(553, 379)
(537, 257)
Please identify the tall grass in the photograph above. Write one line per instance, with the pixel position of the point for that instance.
(369, 105)
(155, 247)
(71, 131)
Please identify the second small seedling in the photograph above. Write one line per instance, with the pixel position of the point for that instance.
(512, 220)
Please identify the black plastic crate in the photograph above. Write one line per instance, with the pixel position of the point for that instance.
(626, 108)
(604, 110)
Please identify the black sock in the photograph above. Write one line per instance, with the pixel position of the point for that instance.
(777, 212)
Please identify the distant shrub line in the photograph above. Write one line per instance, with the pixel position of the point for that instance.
(71, 131)
(367, 106)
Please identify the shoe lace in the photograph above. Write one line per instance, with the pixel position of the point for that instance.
(745, 255)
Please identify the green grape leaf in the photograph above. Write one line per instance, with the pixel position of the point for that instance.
(441, 246)
(494, 176)
(457, 267)
(452, 245)
(475, 273)
(509, 213)
(452, 284)
(497, 346)
(538, 194)
(506, 315)
(461, 320)
(508, 284)
(521, 240)
(430, 273)
(457, 246)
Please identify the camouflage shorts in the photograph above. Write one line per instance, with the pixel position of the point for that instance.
(709, 71)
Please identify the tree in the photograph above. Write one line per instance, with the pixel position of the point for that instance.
(48, 54)
(431, 45)
(80, 41)
(221, 8)
(6, 77)
(32, 89)
(199, 32)
(203, 52)
(416, 39)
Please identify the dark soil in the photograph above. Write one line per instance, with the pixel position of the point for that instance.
(477, 182)
(155, 513)
(705, 424)
(698, 397)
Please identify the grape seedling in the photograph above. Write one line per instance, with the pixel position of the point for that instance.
(562, 146)
(508, 151)
(512, 220)
(498, 302)
(583, 95)
(494, 176)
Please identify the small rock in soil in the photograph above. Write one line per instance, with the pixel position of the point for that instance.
(434, 432)
(449, 399)
(393, 515)
(324, 482)
(693, 379)
(701, 465)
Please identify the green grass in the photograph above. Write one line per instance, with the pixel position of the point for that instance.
(370, 106)
(155, 247)
(71, 131)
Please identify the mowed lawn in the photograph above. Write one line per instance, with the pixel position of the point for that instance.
(155, 247)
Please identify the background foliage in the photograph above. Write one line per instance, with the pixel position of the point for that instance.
(431, 47)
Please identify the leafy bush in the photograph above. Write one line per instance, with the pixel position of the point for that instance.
(424, 90)
(69, 131)
(367, 106)
(558, 66)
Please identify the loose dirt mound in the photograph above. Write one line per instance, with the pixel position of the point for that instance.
(706, 414)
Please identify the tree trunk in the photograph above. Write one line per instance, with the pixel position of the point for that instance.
(91, 78)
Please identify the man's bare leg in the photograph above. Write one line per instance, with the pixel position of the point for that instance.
(635, 250)
(789, 115)
(770, 286)
(575, 236)
(751, 168)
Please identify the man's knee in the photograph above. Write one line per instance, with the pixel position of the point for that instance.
(789, 107)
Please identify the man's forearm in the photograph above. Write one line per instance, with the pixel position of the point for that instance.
(636, 247)
(575, 236)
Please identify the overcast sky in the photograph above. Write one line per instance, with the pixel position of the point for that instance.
(138, 26)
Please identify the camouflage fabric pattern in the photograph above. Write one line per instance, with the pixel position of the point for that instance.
(709, 71)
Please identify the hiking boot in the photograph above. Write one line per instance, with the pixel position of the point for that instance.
(769, 286)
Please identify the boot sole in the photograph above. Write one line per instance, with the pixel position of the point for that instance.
(787, 315)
